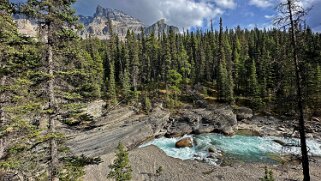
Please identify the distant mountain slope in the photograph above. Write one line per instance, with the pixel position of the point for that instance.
(159, 27)
(97, 25)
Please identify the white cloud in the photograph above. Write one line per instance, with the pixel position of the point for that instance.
(187, 13)
(271, 3)
(181, 13)
(229, 4)
(260, 26)
(261, 3)
(269, 16)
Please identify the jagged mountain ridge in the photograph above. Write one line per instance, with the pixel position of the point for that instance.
(98, 26)
(159, 27)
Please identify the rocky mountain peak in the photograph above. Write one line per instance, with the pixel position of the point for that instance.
(113, 14)
(160, 22)
(161, 27)
(106, 12)
(99, 11)
(98, 26)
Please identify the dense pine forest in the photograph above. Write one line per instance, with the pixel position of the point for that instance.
(53, 76)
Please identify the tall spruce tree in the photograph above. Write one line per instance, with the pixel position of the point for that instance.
(59, 19)
(19, 104)
(125, 78)
(112, 84)
(225, 81)
(111, 87)
(135, 66)
(8, 34)
(236, 61)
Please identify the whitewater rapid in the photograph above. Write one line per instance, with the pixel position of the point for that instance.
(244, 148)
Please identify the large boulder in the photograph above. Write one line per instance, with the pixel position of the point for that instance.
(158, 119)
(199, 121)
(204, 128)
(243, 113)
(185, 142)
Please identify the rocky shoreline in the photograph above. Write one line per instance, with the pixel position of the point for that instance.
(132, 129)
(145, 161)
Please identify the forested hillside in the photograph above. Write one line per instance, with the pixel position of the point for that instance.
(53, 76)
(252, 67)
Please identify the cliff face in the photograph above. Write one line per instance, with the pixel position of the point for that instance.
(159, 27)
(98, 26)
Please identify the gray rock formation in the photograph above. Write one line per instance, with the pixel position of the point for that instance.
(98, 26)
(122, 125)
(159, 27)
(200, 121)
(243, 113)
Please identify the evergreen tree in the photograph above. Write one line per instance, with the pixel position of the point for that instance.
(316, 85)
(185, 66)
(112, 85)
(18, 61)
(225, 81)
(167, 61)
(135, 67)
(126, 84)
(253, 87)
(8, 34)
(95, 69)
(92, 73)
(59, 19)
(120, 169)
(236, 61)
(124, 75)
(253, 84)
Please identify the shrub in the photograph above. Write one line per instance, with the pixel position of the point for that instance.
(268, 175)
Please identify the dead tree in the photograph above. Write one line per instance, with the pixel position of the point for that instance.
(291, 15)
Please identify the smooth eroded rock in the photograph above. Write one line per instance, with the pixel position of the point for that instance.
(243, 113)
(200, 121)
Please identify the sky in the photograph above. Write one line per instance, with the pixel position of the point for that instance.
(198, 13)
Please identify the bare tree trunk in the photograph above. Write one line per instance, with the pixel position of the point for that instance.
(2, 101)
(3, 142)
(53, 170)
(135, 77)
(305, 158)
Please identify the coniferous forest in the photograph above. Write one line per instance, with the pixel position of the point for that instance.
(48, 80)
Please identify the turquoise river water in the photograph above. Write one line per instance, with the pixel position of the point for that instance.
(243, 148)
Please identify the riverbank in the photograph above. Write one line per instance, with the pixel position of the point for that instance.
(145, 161)
(132, 128)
